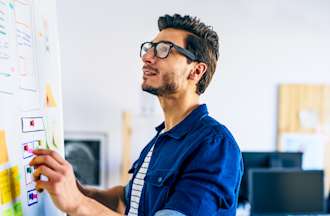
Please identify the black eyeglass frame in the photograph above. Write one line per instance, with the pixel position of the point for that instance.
(181, 50)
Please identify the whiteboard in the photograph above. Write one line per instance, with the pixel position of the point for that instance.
(30, 101)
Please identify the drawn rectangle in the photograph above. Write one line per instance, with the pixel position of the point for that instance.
(25, 45)
(28, 170)
(32, 124)
(32, 197)
(28, 147)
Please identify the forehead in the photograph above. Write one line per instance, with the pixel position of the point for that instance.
(176, 36)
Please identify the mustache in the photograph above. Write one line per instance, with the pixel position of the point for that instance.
(149, 68)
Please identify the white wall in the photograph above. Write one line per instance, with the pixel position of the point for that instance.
(263, 43)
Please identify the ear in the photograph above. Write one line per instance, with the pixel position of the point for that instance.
(197, 72)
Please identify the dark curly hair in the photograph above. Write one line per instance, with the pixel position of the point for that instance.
(203, 42)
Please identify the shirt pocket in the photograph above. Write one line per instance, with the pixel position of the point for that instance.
(160, 178)
(157, 188)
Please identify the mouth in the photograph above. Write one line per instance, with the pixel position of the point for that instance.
(148, 71)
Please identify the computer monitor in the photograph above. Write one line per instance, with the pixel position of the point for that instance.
(286, 191)
(87, 153)
(266, 160)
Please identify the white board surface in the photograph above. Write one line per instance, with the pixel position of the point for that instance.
(30, 101)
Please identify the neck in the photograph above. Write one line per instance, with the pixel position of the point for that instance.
(177, 107)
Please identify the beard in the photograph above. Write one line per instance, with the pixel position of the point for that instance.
(164, 90)
(167, 88)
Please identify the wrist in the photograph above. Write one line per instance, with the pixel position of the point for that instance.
(81, 188)
(81, 207)
(89, 192)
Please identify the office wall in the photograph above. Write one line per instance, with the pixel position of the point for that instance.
(263, 43)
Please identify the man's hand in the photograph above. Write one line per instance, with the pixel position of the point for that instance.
(61, 183)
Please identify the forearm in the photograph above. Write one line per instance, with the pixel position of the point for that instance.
(112, 198)
(90, 207)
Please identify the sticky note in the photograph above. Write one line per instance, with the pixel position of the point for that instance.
(3, 148)
(8, 212)
(39, 144)
(50, 99)
(9, 185)
(18, 209)
(54, 141)
(15, 210)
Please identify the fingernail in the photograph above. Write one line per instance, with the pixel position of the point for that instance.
(39, 190)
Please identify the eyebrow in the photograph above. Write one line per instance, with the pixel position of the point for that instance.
(165, 41)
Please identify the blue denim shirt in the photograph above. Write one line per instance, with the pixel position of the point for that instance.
(195, 169)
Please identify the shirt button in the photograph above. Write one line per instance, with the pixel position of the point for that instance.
(160, 179)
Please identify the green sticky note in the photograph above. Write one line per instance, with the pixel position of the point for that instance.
(8, 212)
(18, 209)
(54, 142)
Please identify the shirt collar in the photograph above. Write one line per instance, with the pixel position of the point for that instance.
(186, 124)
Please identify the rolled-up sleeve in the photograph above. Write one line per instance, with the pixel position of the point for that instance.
(168, 212)
(126, 193)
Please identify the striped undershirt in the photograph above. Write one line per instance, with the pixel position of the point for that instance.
(138, 183)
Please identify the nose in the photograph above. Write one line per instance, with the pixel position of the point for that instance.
(149, 57)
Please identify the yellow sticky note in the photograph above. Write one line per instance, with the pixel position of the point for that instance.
(10, 187)
(3, 148)
(50, 99)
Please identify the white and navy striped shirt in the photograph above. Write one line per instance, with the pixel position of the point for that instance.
(137, 186)
(138, 183)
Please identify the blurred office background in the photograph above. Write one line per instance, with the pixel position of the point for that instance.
(265, 48)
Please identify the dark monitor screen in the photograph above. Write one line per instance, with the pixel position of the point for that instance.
(286, 191)
(84, 156)
(266, 160)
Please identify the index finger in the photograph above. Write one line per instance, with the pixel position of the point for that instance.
(51, 153)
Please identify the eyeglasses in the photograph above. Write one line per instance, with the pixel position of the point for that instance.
(162, 49)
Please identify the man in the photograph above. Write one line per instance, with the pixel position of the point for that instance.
(192, 166)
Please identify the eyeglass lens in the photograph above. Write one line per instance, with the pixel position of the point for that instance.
(160, 49)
